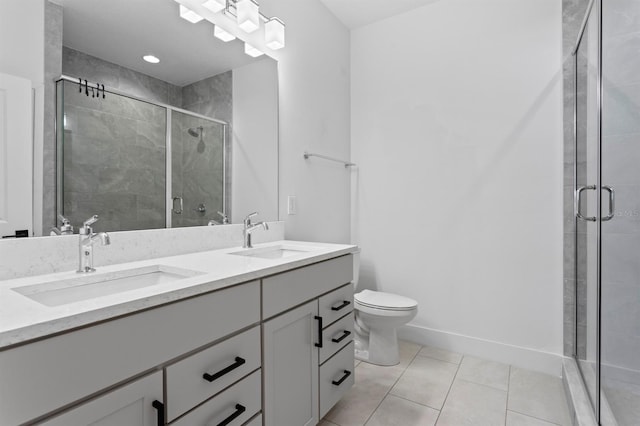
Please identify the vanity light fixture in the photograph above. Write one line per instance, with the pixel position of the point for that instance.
(252, 51)
(223, 35)
(151, 59)
(215, 5)
(189, 15)
(274, 33)
(248, 15)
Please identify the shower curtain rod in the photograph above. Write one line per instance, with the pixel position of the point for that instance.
(346, 163)
(138, 98)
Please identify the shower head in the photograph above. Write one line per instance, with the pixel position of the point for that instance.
(196, 132)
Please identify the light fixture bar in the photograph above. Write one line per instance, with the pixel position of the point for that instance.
(223, 35)
(248, 15)
(274, 34)
(189, 15)
(252, 51)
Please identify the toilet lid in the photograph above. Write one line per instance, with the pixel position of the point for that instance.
(380, 300)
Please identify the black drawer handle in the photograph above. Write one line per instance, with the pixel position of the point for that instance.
(319, 345)
(347, 373)
(211, 377)
(160, 407)
(344, 304)
(341, 338)
(239, 410)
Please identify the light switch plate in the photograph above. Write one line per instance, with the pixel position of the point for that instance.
(292, 205)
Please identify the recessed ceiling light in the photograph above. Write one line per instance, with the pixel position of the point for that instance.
(151, 59)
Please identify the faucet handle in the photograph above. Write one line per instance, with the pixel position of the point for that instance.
(86, 226)
(64, 220)
(247, 219)
(225, 218)
(66, 227)
(93, 219)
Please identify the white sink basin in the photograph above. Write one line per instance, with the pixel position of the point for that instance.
(273, 252)
(84, 287)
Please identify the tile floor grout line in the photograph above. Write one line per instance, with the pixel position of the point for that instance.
(506, 408)
(412, 401)
(534, 417)
(394, 383)
(448, 391)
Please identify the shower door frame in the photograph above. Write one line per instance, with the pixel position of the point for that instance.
(597, 5)
(168, 145)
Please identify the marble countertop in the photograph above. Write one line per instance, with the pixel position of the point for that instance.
(23, 319)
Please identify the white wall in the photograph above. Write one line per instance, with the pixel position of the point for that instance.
(456, 128)
(314, 115)
(22, 39)
(255, 141)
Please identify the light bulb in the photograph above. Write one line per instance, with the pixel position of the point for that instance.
(274, 34)
(222, 34)
(252, 51)
(248, 15)
(215, 5)
(189, 15)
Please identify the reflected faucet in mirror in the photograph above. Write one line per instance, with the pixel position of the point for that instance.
(87, 239)
(65, 229)
(225, 220)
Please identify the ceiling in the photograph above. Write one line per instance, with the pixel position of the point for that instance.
(357, 13)
(122, 31)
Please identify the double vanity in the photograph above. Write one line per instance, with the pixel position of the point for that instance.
(260, 336)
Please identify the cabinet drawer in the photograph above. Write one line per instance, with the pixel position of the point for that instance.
(225, 363)
(342, 331)
(283, 291)
(243, 400)
(103, 355)
(336, 378)
(335, 304)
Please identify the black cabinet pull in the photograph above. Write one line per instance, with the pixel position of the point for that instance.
(319, 345)
(239, 410)
(347, 373)
(160, 407)
(211, 377)
(341, 338)
(344, 304)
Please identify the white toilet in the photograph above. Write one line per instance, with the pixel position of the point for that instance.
(378, 315)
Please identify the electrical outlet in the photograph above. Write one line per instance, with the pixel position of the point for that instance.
(292, 205)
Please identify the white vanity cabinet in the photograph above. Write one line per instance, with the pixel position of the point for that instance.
(136, 404)
(300, 305)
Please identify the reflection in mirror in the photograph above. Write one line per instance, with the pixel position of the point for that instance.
(171, 146)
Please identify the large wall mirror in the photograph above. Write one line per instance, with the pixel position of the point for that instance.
(181, 142)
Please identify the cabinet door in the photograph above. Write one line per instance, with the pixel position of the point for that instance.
(130, 405)
(291, 368)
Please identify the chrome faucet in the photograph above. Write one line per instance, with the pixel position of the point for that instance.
(65, 229)
(225, 220)
(250, 227)
(87, 239)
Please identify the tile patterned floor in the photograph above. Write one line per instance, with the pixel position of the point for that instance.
(435, 387)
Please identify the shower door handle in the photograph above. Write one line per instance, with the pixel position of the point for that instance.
(612, 202)
(181, 204)
(577, 203)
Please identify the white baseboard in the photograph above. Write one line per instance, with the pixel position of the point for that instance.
(518, 356)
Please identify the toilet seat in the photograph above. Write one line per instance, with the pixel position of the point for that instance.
(384, 301)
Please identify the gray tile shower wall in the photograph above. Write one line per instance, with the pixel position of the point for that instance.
(213, 97)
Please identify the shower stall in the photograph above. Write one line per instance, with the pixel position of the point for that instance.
(606, 185)
(135, 163)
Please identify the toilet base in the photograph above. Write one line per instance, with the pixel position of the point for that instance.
(380, 347)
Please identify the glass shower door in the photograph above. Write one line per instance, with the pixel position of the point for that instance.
(586, 201)
(620, 260)
(197, 170)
